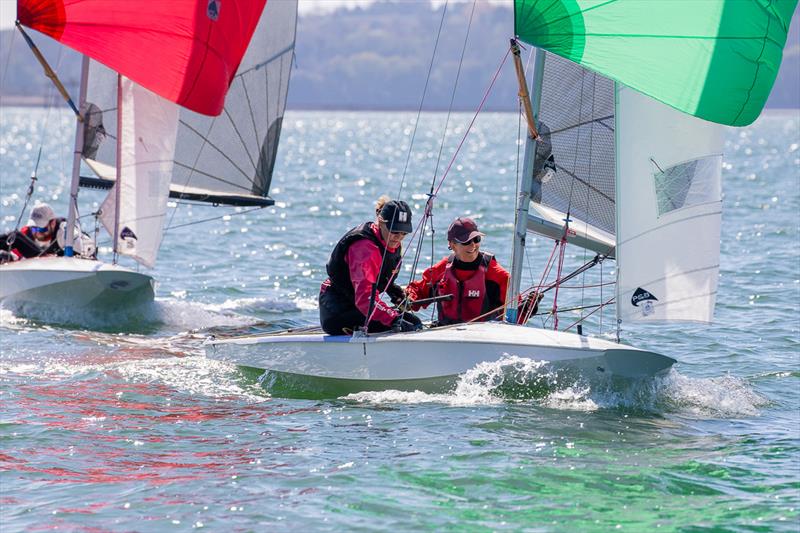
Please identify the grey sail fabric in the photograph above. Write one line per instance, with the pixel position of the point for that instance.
(229, 158)
(574, 165)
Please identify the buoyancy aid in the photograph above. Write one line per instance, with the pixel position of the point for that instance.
(339, 271)
(469, 296)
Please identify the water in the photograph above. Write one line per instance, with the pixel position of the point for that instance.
(119, 422)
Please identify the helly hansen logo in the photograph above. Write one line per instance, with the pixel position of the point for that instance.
(402, 216)
(473, 293)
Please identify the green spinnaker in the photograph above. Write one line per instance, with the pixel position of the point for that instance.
(715, 59)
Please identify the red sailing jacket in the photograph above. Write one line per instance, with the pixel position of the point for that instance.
(476, 289)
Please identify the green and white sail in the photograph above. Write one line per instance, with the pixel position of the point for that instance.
(714, 59)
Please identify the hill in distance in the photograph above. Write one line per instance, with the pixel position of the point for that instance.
(374, 58)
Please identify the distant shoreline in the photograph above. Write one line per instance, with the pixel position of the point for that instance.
(36, 101)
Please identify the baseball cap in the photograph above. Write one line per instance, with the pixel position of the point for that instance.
(397, 215)
(463, 230)
(41, 215)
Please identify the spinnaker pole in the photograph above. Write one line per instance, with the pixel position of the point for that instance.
(48, 71)
(531, 108)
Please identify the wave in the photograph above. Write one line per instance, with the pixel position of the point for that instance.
(163, 313)
(517, 379)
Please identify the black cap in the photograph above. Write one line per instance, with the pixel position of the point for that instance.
(397, 216)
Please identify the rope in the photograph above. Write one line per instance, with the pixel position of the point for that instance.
(428, 205)
(460, 145)
(422, 100)
(371, 310)
(49, 97)
(8, 59)
(598, 307)
(212, 218)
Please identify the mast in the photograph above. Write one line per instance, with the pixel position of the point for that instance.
(118, 184)
(76, 162)
(524, 186)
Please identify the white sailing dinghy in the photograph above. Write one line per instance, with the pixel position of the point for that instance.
(632, 175)
(164, 113)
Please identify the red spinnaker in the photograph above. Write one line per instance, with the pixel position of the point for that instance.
(186, 51)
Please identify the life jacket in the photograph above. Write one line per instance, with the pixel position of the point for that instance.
(339, 271)
(469, 296)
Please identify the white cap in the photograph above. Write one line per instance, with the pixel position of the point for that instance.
(41, 216)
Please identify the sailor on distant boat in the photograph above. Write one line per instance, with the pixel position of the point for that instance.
(363, 265)
(43, 235)
(475, 279)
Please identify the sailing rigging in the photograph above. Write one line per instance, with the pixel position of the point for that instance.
(611, 109)
(155, 119)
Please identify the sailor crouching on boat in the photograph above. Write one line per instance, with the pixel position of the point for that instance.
(43, 235)
(475, 279)
(362, 266)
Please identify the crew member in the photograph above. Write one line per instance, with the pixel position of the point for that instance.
(362, 266)
(37, 238)
(474, 278)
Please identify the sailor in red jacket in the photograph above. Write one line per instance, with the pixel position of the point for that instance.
(475, 279)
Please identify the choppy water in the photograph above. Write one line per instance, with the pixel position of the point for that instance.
(120, 422)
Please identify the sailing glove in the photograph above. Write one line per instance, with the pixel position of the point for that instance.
(529, 306)
(7, 257)
(406, 322)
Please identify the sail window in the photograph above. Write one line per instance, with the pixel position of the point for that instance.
(690, 183)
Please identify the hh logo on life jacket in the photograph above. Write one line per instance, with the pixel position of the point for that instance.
(474, 293)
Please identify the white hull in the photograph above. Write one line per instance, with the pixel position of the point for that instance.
(431, 359)
(74, 282)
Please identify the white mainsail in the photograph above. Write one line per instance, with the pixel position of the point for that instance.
(669, 208)
(135, 208)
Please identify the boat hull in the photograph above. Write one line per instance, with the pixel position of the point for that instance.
(74, 282)
(429, 360)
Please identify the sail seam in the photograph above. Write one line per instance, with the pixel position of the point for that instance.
(704, 215)
(758, 67)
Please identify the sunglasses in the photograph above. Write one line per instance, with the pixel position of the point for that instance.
(35, 229)
(476, 240)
